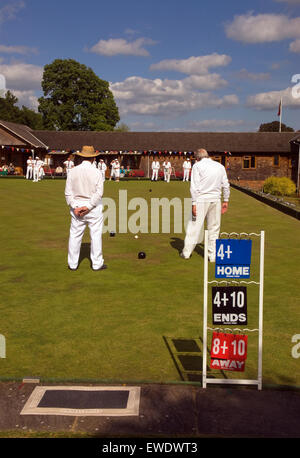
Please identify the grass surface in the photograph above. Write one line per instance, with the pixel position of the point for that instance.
(112, 325)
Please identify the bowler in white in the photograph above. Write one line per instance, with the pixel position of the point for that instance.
(83, 193)
(209, 184)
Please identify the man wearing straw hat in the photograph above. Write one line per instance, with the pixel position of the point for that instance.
(83, 192)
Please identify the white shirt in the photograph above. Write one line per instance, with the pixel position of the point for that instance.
(155, 165)
(102, 166)
(69, 164)
(116, 165)
(30, 163)
(84, 183)
(38, 164)
(208, 181)
(187, 165)
(167, 165)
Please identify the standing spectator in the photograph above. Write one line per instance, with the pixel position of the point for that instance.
(83, 192)
(208, 183)
(155, 169)
(69, 164)
(167, 170)
(29, 171)
(102, 167)
(116, 166)
(112, 170)
(186, 169)
(36, 169)
(41, 170)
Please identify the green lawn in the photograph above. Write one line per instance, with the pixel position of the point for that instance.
(115, 325)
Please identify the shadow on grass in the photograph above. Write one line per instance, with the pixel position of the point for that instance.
(85, 252)
(187, 356)
(178, 245)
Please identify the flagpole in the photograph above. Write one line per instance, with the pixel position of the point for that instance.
(280, 114)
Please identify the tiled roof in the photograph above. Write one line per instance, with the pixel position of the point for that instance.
(24, 133)
(173, 141)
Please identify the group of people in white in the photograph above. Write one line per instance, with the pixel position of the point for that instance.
(35, 169)
(115, 167)
(167, 169)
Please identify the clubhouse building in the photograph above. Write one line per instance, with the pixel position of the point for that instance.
(249, 157)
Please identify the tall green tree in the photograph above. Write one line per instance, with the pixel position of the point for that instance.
(274, 127)
(75, 98)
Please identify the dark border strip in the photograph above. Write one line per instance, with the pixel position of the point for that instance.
(277, 205)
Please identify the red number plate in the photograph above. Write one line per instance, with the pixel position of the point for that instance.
(238, 347)
(220, 345)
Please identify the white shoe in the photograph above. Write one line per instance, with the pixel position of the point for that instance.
(182, 256)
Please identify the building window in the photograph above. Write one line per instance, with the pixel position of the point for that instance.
(276, 160)
(249, 162)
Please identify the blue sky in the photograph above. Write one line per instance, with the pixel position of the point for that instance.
(172, 65)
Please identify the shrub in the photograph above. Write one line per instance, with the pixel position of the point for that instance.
(279, 186)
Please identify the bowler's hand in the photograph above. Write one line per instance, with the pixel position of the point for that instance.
(194, 212)
(224, 207)
(83, 211)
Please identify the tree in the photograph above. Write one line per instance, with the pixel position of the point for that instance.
(122, 127)
(31, 118)
(8, 110)
(12, 113)
(274, 127)
(75, 98)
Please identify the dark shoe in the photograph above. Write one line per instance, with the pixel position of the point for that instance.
(103, 267)
(70, 268)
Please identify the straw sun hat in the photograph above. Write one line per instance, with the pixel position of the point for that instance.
(88, 151)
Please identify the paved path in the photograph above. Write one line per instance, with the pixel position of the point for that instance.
(169, 411)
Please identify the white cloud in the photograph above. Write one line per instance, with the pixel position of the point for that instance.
(9, 11)
(17, 49)
(27, 98)
(263, 28)
(295, 46)
(21, 76)
(244, 74)
(270, 100)
(199, 65)
(166, 97)
(115, 46)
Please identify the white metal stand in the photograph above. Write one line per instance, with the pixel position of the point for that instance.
(258, 381)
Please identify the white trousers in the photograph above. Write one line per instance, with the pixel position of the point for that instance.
(29, 173)
(154, 175)
(94, 220)
(167, 175)
(186, 174)
(36, 172)
(211, 213)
